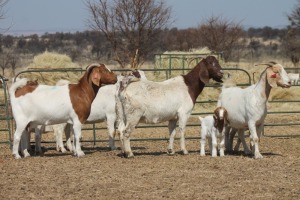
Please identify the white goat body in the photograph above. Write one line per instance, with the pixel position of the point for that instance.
(247, 108)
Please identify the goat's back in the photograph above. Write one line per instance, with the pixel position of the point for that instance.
(45, 105)
(157, 101)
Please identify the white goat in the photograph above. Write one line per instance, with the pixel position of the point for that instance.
(44, 104)
(171, 100)
(213, 127)
(103, 109)
(295, 79)
(247, 108)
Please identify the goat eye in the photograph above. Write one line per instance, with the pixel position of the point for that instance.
(273, 76)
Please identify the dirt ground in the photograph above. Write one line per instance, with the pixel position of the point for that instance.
(152, 174)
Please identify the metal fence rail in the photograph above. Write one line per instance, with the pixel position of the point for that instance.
(7, 117)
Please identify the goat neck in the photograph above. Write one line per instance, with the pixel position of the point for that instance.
(82, 96)
(263, 86)
(193, 82)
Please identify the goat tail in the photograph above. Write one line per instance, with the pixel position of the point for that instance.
(121, 118)
(19, 83)
(200, 119)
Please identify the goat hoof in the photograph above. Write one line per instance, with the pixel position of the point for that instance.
(171, 152)
(63, 150)
(17, 157)
(129, 155)
(185, 152)
(258, 156)
(26, 155)
(113, 148)
(79, 154)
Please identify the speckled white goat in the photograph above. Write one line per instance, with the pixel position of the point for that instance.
(171, 100)
(103, 109)
(247, 108)
(213, 128)
(44, 104)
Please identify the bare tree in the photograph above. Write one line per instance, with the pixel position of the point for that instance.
(4, 62)
(294, 16)
(131, 26)
(291, 42)
(2, 4)
(220, 35)
(2, 13)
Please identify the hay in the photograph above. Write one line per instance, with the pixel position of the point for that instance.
(204, 51)
(58, 63)
(52, 60)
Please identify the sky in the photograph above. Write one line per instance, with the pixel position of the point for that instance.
(41, 16)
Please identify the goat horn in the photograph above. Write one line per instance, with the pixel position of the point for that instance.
(194, 59)
(92, 65)
(271, 63)
(268, 64)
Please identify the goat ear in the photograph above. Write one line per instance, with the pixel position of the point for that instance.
(271, 78)
(215, 120)
(95, 76)
(203, 74)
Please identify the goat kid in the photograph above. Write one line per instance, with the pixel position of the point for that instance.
(213, 128)
(46, 105)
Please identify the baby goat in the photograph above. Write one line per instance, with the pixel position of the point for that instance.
(213, 127)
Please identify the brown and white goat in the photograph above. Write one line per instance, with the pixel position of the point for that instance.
(213, 127)
(45, 105)
(171, 100)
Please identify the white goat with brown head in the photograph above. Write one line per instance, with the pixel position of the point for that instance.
(213, 127)
(171, 100)
(247, 108)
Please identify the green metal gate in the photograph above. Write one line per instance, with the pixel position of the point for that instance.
(151, 74)
(5, 113)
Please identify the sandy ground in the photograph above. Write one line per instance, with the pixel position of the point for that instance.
(152, 174)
